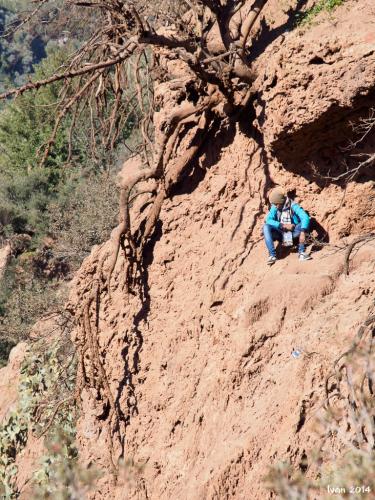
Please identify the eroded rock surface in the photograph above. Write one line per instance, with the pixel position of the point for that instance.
(202, 368)
(200, 363)
(316, 79)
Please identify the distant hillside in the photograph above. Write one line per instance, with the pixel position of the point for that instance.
(19, 51)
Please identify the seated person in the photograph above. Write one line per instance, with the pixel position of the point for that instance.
(285, 221)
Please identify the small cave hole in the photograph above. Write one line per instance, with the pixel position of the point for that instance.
(317, 60)
(273, 82)
(105, 412)
(192, 94)
(303, 465)
(181, 98)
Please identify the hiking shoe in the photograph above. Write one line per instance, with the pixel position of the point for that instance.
(304, 256)
(271, 260)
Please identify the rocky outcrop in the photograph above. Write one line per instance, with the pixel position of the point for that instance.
(9, 379)
(198, 358)
(202, 367)
(316, 80)
(5, 253)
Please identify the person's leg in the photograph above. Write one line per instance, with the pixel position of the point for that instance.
(296, 233)
(271, 235)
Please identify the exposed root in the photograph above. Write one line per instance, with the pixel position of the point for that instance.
(362, 239)
(166, 176)
(100, 68)
(91, 371)
(358, 338)
(232, 263)
(55, 411)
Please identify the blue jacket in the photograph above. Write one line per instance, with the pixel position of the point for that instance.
(298, 216)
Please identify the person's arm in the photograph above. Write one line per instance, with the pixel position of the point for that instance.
(302, 215)
(271, 218)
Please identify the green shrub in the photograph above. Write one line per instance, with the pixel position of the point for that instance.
(45, 369)
(322, 6)
(25, 126)
(84, 216)
(24, 200)
(26, 123)
(60, 476)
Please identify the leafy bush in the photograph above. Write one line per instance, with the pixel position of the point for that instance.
(27, 189)
(25, 126)
(24, 201)
(43, 371)
(60, 476)
(24, 298)
(44, 410)
(26, 123)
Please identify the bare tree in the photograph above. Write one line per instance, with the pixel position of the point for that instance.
(113, 72)
(133, 45)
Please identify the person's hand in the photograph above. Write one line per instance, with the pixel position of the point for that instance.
(302, 237)
(288, 227)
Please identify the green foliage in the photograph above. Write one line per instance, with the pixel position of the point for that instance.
(322, 6)
(13, 437)
(25, 127)
(77, 203)
(19, 51)
(60, 476)
(43, 376)
(24, 200)
(27, 123)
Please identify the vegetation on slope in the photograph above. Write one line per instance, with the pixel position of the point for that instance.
(322, 6)
(42, 410)
(52, 211)
(52, 214)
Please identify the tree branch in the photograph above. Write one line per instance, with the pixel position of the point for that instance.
(70, 74)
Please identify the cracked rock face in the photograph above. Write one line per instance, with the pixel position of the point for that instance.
(202, 368)
(313, 81)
